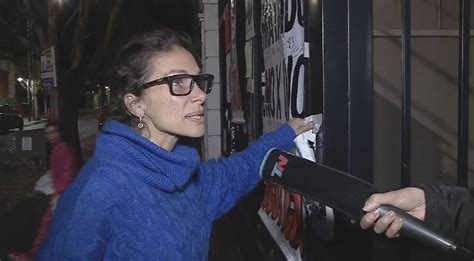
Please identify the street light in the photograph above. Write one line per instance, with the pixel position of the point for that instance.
(27, 86)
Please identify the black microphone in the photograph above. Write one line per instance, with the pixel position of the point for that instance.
(346, 194)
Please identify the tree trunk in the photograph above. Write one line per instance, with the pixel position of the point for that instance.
(67, 78)
(67, 94)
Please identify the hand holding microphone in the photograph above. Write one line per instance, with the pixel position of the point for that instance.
(411, 200)
(348, 195)
(403, 212)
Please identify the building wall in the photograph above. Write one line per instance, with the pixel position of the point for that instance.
(3, 84)
(7, 79)
(434, 93)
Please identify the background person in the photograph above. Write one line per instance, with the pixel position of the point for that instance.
(64, 166)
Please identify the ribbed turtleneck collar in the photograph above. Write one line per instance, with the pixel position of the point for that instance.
(166, 170)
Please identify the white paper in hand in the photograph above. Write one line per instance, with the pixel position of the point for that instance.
(45, 184)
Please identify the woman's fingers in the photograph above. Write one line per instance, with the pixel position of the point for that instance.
(299, 126)
(306, 127)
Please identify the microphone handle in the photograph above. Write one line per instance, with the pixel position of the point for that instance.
(416, 229)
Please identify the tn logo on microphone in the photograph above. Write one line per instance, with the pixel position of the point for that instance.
(279, 166)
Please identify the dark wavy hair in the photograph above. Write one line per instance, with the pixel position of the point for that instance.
(62, 131)
(64, 136)
(133, 66)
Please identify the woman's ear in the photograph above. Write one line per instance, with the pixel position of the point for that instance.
(134, 105)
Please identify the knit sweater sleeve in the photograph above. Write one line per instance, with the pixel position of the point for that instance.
(450, 211)
(81, 225)
(226, 180)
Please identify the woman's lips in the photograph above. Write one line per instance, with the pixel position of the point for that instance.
(196, 116)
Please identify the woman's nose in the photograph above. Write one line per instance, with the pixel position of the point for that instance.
(199, 94)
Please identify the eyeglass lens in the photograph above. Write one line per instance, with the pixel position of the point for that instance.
(204, 82)
(183, 85)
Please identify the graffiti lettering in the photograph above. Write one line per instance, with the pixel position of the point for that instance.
(298, 89)
(271, 26)
(293, 9)
(276, 87)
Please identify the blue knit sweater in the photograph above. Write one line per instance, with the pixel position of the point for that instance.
(136, 201)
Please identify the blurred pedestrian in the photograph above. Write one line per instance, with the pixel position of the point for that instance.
(63, 162)
(64, 166)
(144, 195)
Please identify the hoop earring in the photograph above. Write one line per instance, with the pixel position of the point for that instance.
(140, 124)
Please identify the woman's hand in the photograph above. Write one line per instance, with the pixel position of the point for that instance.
(299, 126)
(411, 200)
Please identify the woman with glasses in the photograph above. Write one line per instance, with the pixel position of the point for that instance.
(144, 195)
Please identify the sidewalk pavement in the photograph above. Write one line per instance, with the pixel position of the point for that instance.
(83, 114)
(34, 123)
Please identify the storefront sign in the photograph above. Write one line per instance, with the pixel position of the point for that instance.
(48, 68)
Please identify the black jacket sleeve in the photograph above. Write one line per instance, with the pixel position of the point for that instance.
(450, 211)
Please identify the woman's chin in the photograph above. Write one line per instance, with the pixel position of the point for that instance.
(193, 133)
(196, 134)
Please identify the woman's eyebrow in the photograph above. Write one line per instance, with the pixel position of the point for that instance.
(179, 71)
(176, 71)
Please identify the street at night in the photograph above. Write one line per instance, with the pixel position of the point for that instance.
(20, 206)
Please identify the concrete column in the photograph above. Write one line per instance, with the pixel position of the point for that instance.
(210, 57)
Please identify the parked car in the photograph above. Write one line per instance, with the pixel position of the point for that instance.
(10, 118)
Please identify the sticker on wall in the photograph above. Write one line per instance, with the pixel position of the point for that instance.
(249, 59)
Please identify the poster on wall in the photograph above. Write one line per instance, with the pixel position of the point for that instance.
(249, 21)
(249, 60)
(233, 34)
(228, 78)
(227, 30)
(235, 83)
(285, 58)
(236, 99)
(276, 93)
(252, 98)
(285, 61)
(296, 53)
(228, 47)
(251, 112)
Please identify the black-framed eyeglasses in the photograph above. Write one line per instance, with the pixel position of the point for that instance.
(182, 84)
